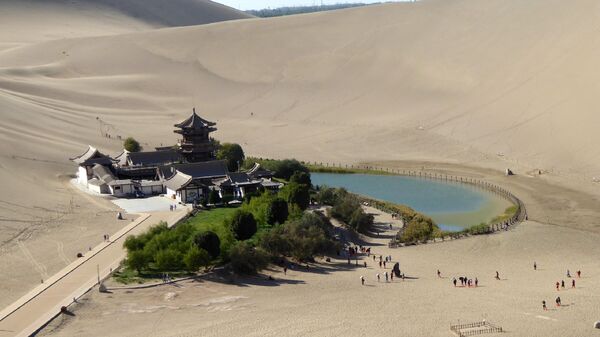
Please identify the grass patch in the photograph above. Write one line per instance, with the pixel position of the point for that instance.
(509, 212)
(346, 170)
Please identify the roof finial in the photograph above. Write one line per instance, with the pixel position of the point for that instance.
(194, 109)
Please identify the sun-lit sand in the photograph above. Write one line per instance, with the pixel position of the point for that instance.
(478, 85)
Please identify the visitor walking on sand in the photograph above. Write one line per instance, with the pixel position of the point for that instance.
(439, 273)
(476, 282)
(362, 280)
(497, 275)
(562, 284)
(579, 274)
(454, 281)
(378, 277)
(573, 283)
(557, 286)
(386, 276)
(568, 273)
(392, 278)
(558, 301)
(544, 306)
(534, 265)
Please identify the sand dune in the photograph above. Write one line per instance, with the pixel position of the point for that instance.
(498, 83)
(38, 20)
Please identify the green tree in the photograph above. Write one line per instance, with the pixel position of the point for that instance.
(233, 153)
(296, 194)
(195, 258)
(301, 177)
(277, 211)
(168, 259)
(131, 145)
(243, 225)
(137, 260)
(245, 259)
(210, 242)
(213, 197)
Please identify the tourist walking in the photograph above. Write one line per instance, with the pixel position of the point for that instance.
(557, 286)
(439, 273)
(365, 263)
(573, 283)
(362, 280)
(392, 278)
(534, 265)
(579, 274)
(544, 306)
(383, 264)
(497, 275)
(386, 276)
(454, 281)
(378, 277)
(568, 273)
(562, 284)
(476, 282)
(284, 270)
(558, 301)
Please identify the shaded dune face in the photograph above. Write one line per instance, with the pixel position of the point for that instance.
(459, 81)
(40, 20)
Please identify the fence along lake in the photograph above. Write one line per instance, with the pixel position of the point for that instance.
(452, 205)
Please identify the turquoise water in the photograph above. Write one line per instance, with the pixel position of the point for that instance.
(453, 206)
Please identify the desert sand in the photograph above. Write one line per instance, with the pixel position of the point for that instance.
(465, 85)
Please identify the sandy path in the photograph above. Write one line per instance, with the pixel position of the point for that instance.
(26, 315)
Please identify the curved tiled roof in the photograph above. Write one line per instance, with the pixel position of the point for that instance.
(195, 122)
(178, 181)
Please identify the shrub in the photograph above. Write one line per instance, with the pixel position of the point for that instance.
(245, 259)
(283, 169)
(131, 145)
(169, 259)
(361, 221)
(137, 260)
(301, 177)
(210, 242)
(482, 228)
(195, 258)
(213, 197)
(243, 225)
(233, 153)
(420, 228)
(277, 212)
(296, 194)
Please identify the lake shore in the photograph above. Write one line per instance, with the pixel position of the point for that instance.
(302, 303)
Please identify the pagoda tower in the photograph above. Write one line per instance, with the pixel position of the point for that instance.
(195, 144)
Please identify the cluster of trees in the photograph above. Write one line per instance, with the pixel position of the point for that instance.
(419, 228)
(267, 225)
(161, 249)
(272, 12)
(346, 207)
(302, 238)
(283, 169)
(233, 153)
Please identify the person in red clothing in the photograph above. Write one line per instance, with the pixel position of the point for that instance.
(557, 285)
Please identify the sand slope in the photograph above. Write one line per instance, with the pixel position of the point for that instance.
(487, 83)
(38, 20)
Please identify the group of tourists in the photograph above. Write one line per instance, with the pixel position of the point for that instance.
(560, 285)
(464, 281)
(173, 207)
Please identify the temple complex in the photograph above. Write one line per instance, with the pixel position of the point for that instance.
(187, 172)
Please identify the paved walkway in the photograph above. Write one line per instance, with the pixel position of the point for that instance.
(26, 315)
